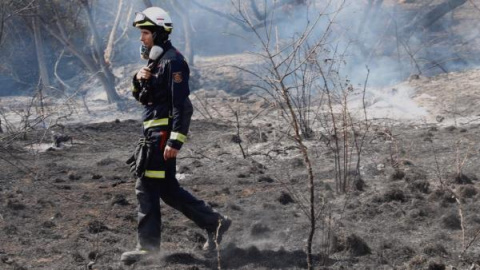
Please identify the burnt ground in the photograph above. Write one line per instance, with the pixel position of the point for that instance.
(74, 207)
(67, 207)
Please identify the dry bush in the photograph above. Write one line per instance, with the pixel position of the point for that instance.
(302, 77)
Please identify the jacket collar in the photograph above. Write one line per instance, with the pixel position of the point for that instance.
(166, 45)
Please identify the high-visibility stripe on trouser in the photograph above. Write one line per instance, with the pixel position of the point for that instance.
(178, 136)
(155, 174)
(155, 123)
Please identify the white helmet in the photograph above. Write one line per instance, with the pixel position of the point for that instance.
(153, 16)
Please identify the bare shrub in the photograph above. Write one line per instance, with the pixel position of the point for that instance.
(302, 77)
(456, 221)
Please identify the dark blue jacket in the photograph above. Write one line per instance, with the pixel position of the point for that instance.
(168, 107)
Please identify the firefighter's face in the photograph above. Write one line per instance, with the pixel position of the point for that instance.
(146, 38)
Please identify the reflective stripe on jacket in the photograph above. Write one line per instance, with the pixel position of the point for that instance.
(169, 108)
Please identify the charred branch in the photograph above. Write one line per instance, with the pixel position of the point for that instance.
(433, 16)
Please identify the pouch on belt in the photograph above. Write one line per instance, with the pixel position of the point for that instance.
(140, 157)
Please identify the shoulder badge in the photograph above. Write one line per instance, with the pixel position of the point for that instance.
(177, 77)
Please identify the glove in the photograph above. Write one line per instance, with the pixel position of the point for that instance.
(144, 96)
(138, 161)
(132, 163)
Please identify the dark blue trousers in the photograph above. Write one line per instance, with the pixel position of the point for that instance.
(149, 191)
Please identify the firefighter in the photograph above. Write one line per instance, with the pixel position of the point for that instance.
(162, 88)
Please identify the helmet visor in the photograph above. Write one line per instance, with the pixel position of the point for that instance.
(142, 20)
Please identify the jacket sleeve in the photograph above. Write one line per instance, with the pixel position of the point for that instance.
(182, 108)
(136, 88)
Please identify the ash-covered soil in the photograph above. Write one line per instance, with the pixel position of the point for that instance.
(416, 206)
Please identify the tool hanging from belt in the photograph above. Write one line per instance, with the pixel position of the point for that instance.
(139, 160)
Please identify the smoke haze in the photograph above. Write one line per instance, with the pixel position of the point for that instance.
(363, 37)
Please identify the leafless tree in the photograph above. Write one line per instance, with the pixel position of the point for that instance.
(302, 75)
(54, 21)
(289, 75)
(72, 25)
(10, 8)
(260, 12)
(407, 32)
(425, 20)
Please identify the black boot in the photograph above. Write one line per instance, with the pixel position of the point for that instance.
(213, 239)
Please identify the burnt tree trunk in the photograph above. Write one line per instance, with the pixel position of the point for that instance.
(42, 64)
(112, 95)
(2, 19)
(87, 60)
(433, 15)
(187, 30)
(108, 55)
